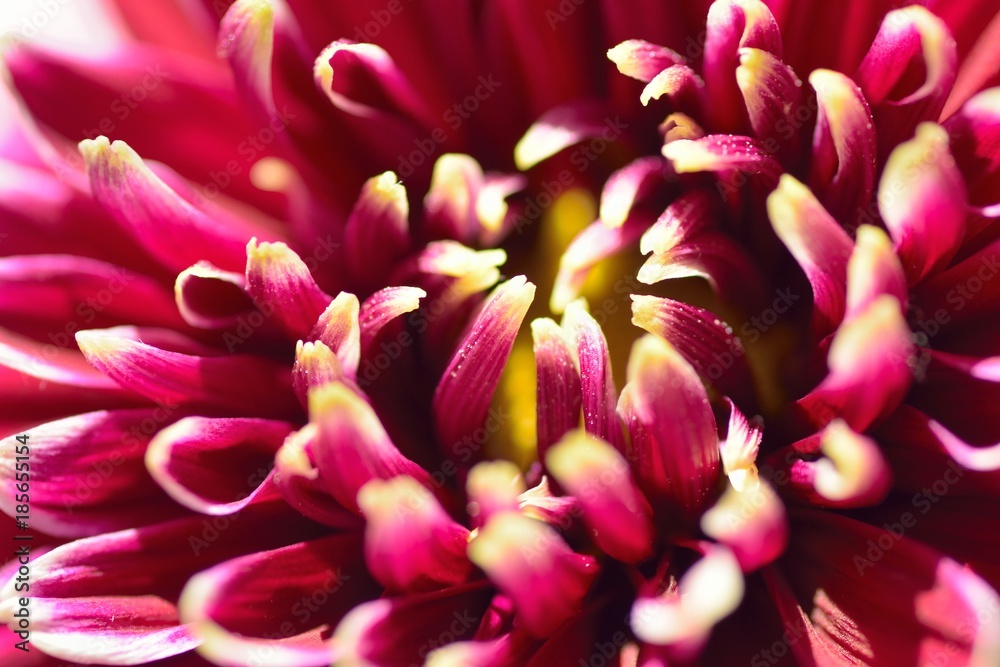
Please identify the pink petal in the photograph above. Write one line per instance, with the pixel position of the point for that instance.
(558, 129)
(869, 368)
(628, 187)
(55, 365)
(733, 24)
(243, 384)
(280, 284)
(842, 173)
(351, 447)
(705, 341)
(619, 518)
(723, 154)
(641, 60)
(528, 561)
(246, 40)
(873, 270)
(384, 306)
(864, 594)
(87, 474)
(558, 386)
(682, 87)
(773, 96)
(975, 143)
(685, 218)
(909, 39)
(674, 435)
(169, 228)
(922, 201)
(819, 245)
(463, 395)
(210, 298)
(750, 521)
(411, 543)
(377, 232)
(493, 487)
(216, 466)
(278, 605)
(315, 365)
(597, 383)
(339, 330)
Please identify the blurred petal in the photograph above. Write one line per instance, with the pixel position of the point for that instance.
(641, 60)
(377, 231)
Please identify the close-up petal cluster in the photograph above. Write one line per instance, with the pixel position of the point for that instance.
(501, 333)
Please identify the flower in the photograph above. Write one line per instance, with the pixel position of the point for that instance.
(345, 438)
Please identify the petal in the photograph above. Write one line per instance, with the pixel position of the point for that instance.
(674, 435)
(919, 606)
(629, 186)
(240, 608)
(493, 487)
(215, 466)
(705, 341)
(339, 329)
(280, 284)
(528, 561)
(975, 143)
(169, 228)
(873, 270)
(773, 98)
(53, 365)
(558, 129)
(559, 395)
(869, 368)
(681, 85)
(685, 218)
(842, 173)
(750, 521)
(411, 543)
(723, 154)
(246, 40)
(619, 518)
(909, 40)
(922, 201)
(819, 245)
(959, 391)
(597, 383)
(209, 298)
(243, 384)
(87, 475)
(315, 366)
(641, 60)
(352, 448)
(384, 306)
(463, 394)
(377, 232)
(961, 295)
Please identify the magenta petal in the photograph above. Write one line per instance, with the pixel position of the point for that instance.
(315, 365)
(87, 474)
(642, 60)
(975, 143)
(52, 364)
(706, 342)
(351, 447)
(463, 395)
(922, 201)
(629, 186)
(339, 330)
(169, 228)
(395, 630)
(411, 543)
(280, 284)
(869, 368)
(216, 466)
(819, 245)
(674, 435)
(210, 298)
(909, 38)
(243, 384)
(685, 218)
(384, 306)
(377, 232)
(246, 40)
(528, 561)
(842, 173)
(597, 383)
(682, 87)
(619, 518)
(280, 604)
(558, 387)
(734, 24)
(773, 96)
(723, 154)
(959, 391)
(145, 629)
(558, 129)
(873, 270)
(493, 487)
(912, 603)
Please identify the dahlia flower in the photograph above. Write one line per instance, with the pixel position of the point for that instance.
(503, 333)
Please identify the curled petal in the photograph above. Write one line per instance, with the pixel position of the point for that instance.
(618, 515)
(873, 270)
(722, 154)
(842, 172)
(280, 284)
(215, 466)
(773, 95)
(338, 328)
(558, 129)
(528, 561)
(869, 368)
(819, 245)
(673, 430)
(377, 232)
(922, 201)
(558, 386)
(751, 521)
(209, 298)
(739, 449)
(680, 84)
(685, 218)
(465, 204)
(463, 395)
(352, 448)
(708, 592)
(410, 541)
(629, 186)
(384, 306)
(642, 60)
